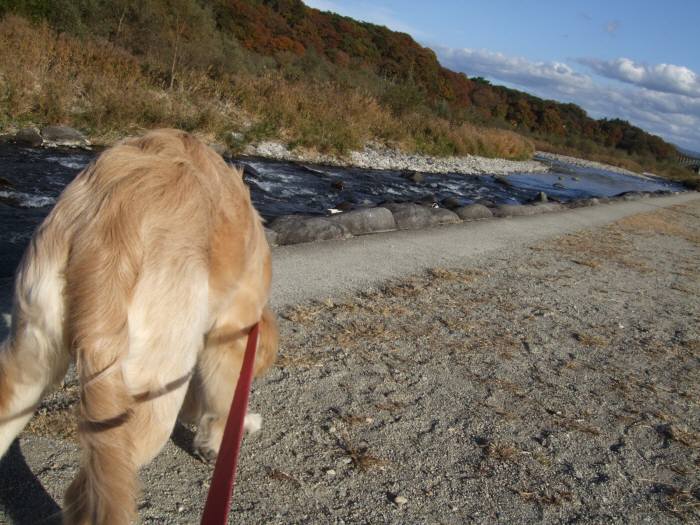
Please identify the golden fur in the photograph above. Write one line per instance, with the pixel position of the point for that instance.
(150, 271)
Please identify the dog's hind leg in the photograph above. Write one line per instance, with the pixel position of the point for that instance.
(34, 357)
(116, 447)
(134, 375)
(218, 367)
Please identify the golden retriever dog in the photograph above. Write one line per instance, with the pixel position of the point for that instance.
(148, 273)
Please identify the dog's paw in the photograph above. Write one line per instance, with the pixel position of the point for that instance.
(205, 454)
(252, 423)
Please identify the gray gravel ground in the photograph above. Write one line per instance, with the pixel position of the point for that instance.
(555, 383)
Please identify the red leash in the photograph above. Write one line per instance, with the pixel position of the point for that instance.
(222, 482)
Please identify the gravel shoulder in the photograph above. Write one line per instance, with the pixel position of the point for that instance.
(552, 380)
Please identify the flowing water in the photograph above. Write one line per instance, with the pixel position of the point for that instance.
(32, 179)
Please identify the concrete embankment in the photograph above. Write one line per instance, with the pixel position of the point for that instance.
(316, 270)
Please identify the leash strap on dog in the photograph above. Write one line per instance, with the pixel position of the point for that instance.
(222, 482)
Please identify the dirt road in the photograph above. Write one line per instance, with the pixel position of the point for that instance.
(554, 381)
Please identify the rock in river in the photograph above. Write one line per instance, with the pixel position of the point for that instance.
(366, 220)
(28, 137)
(473, 212)
(63, 136)
(293, 229)
(411, 216)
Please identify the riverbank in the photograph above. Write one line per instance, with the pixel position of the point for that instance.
(375, 156)
(551, 158)
(551, 381)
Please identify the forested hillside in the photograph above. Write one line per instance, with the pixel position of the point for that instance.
(276, 68)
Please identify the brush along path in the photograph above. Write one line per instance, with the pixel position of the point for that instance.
(551, 383)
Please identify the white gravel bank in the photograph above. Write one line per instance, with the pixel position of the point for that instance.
(377, 157)
(555, 157)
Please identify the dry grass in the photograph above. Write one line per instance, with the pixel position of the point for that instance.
(591, 263)
(359, 455)
(684, 503)
(589, 340)
(56, 424)
(500, 451)
(591, 250)
(96, 86)
(578, 425)
(684, 436)
(662, 222)
(279, 475)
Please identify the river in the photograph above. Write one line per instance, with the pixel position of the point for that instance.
(32, 179)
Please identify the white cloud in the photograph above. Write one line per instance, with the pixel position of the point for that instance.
(667, 78)
(516, 70)
(658, 99)
(612, 26)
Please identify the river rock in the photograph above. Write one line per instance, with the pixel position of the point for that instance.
(630, 196)
(271, 236)
(503, 181)
(219, 148)
(294, 229)
(63, 136)
(473, 212)
(427, 200)
(452, 203)
(28, 137)
(414, 176)
(547, 207)
(367, 220)
(411, 216)
(583, 203)
(5, 184)
(514, 210)
(345, 206)
(541, 197)
(443, 216)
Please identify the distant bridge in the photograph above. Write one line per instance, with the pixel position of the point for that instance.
(691, 162)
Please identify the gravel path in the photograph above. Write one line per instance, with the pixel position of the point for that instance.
(555, 383)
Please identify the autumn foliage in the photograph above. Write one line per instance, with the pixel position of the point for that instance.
(275, 68)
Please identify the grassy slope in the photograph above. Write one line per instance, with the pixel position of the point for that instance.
(98, 86)
(252, 74)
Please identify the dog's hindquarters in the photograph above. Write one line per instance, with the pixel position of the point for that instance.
(137, 302)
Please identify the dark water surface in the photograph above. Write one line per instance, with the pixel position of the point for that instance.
(32, 179)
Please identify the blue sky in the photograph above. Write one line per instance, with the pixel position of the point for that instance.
(637, 60)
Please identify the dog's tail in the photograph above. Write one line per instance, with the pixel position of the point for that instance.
(33, 357)
(99, 284)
